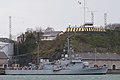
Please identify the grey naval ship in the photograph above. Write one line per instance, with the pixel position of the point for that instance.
(69, 64)
(64, 66)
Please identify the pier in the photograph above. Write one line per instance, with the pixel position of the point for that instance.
(111, 71)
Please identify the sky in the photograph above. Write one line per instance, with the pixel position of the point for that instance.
(54, 13)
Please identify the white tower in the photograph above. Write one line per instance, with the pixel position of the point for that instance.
(10, 35)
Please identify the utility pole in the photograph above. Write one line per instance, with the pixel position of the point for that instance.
(38, 59)
(17, 48)
(38, 42)
(95, 54)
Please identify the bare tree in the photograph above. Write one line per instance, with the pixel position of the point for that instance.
(29, 30)
(113, 27)
(49, 29)
(39, 29)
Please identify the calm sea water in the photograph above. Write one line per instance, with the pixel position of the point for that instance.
(59, 77)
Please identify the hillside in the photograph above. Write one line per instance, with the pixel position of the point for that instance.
(105, 42)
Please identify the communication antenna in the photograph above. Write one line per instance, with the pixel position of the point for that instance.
(92, 16)
(84, 10)
(105, 19)
(10, 35)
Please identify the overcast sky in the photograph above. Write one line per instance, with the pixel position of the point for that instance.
(54, 13)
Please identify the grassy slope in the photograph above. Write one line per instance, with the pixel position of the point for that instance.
(108, 42)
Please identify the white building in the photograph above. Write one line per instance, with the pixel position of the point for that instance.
(6, 50)
(51, 35)
(3, 59)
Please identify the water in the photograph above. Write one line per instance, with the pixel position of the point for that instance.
(59, 77)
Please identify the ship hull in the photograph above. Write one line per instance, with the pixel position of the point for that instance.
(89, 71)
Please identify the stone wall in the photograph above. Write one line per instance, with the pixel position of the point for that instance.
(110, 64)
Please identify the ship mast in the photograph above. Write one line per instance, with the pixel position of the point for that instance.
(68, 44)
